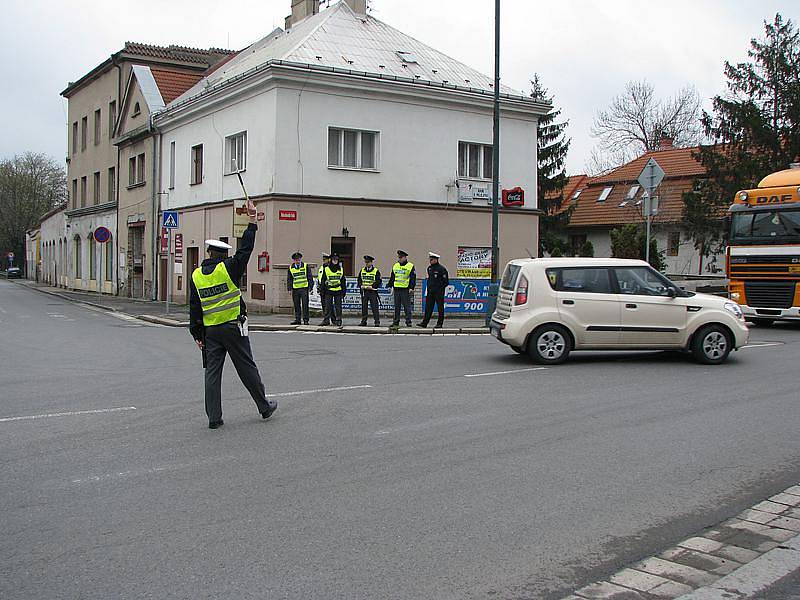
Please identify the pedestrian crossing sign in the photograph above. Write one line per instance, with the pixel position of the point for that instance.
(169, 219)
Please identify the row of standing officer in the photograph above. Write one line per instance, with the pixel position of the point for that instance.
(331, 286)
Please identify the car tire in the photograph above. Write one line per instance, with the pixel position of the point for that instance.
(762, 322)
(711, 345)
(518, 350)
(549, 345)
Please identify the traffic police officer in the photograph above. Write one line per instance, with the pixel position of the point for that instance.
(218, 322)
(403, 279)
(369, 280)
(334, 283)
(298, 280)
(323, 296)
(438, 281)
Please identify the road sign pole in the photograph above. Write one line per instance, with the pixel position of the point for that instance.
(169, 267)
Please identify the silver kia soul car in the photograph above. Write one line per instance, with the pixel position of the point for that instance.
(548, 307)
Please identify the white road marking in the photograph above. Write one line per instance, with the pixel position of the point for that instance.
(506, 372)
(67, 414)
(762, 345)
(320, 391)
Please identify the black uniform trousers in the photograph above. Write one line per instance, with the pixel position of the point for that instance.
(369, 299)
(300, 300)
(226, 339)
(334, 300)
(434, 297)
(326, 315)
(402, 296)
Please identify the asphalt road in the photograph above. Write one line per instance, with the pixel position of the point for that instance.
(421, 481)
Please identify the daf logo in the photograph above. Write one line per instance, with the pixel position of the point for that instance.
(773, 199)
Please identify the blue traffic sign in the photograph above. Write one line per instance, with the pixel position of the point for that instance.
(169, 219)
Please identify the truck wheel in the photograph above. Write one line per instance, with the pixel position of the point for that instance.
(549, 345)
(711, 345)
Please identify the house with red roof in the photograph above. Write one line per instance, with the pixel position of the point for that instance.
(600, 204)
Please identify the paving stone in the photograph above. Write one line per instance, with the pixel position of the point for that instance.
(701, 544)
(638, 580)
(676, 571)
(776, 535)
(719, 534)
(787, 499)
(753, 541)
(671, 589)
(608, 591)
(792, 512)
(770, 507)
(700, 560)
(756, 516)
(795, 490)
(786, 523)
(737, 553)
(573, 597)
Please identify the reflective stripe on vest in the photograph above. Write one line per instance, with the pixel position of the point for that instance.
(333, 279)
(368, 277)
(299, 276)
(402, 274)
(219, 296)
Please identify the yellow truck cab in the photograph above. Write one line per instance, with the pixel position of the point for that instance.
(763, 255)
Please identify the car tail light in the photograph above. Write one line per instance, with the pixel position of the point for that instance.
(522, 291)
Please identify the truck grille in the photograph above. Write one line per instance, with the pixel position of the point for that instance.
(769, 294)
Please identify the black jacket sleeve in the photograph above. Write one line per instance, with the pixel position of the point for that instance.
(358, 280)
(391, 280)
(196, 327)
(445, 277)
(237, 264)
(378, 279)
(289, 279)
(412, 280)
(309, 275)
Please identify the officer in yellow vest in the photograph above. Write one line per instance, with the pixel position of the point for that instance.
(218, 322)
(369, 280)
(323, 296)
(334, 282)
(298, 282)
(403, 279)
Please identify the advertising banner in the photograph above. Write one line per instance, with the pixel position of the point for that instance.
(474, 263)
(465, 296)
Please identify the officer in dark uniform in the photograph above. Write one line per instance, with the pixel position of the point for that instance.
(369, 280)
(333, 281)
(403, 279)
(218, 322)
(323, 296)
(298, 281)
(438, 281)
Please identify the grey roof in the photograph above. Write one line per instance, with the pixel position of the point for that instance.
(149, 88)
(341, 39)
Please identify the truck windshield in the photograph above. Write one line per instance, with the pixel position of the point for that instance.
(766, 226)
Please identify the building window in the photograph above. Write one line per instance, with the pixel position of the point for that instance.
(136, 170)
(83, 191)
(172, 165)
(236, 153)
(112, 184)
(352, 149)
(673, 243)
(109, 260)
(605, 193)
(136, 110)
(140, 168)
(112, 118)
(92, 257)
(197, 165)
(97, 127)
(75, 137)
(475, 161)
(96, 189)
(78, 257)
(84, 133)
(74, 193)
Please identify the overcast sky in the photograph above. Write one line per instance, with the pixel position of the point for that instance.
(584, 50)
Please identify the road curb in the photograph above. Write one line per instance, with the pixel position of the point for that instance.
(68, 298)
(736, 560)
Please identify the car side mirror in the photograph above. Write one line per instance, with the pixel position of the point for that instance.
(671, 292)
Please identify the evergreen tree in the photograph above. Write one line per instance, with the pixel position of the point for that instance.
(755, 128)
(552, 148)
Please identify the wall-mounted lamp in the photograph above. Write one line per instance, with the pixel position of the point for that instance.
(345, 232)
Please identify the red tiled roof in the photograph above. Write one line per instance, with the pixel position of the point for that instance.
(202, 56)
(676, 162)
(172, 84)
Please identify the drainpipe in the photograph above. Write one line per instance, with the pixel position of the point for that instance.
(155, 231)
(115, 274)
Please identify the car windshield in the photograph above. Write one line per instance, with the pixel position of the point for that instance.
(644, 281)
(778, 224)
(510, 277)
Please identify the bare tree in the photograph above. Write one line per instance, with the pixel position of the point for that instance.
(30, 185)
(636, 121)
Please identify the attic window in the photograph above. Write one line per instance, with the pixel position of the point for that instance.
(136, 110)
(576, 195)
(606, 193)
(407, 57)
(632, 192)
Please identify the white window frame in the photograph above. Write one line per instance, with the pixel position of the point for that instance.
(231, 146)
(484, 147)
(605, 193)
(192, 161)
(359, 133)
(172, 165)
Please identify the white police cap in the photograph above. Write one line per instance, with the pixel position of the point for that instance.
(218, 245)
(433, 255)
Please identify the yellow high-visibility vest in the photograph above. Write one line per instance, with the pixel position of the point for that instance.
(219, 296)
(333, 279)
(402, 274)
(368, 277)
(299, 276)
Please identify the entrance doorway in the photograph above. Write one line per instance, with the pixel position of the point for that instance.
(162, 280)
(192, 262)
(345, 248)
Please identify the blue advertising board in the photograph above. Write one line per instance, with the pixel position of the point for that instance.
(464, 296)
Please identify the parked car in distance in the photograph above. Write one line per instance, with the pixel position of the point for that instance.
(548, 307)
(14, 273)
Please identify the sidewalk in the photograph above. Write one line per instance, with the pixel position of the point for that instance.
(178, 316)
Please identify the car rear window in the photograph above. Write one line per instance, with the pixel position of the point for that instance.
(510, 277)
(591, 280)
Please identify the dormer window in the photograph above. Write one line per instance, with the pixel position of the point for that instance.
(407, 57)
(136, 110)
(632, 192)
(606, 193)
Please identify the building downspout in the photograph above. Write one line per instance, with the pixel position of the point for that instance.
(155, 199)
(115, 260)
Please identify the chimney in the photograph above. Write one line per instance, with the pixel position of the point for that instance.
(300, 10)
(359, 6)
(666, 142)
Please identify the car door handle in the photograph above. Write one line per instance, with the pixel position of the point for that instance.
(631, 306)
(569, 302)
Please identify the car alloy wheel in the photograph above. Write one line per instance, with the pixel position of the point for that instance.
(551, 345)
(715, 345)
(712, 344)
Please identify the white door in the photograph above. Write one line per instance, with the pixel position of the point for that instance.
(587, 304)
